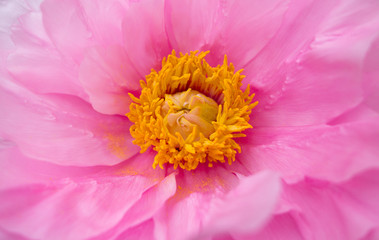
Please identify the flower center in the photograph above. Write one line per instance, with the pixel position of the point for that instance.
(191, 112)
(188, 110)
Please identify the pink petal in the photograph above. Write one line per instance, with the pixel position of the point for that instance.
(8, 235)
(317, 93)
(319, 54)
(143, 231)
(68, 209)
(246, 208)
(348, 210)
(372, 235)
(283, 226)
(63, 129)
(9, 12)
(249, 27)
(181, 219)
(334, 152)
(22, 170)
(151, 201)
(107, 76)
(371, 76)
(37, 64)
(66, 25)
(298, 27)
(144, 34)
(77, 24)
(104, 19)
(190, 28)
(184, 214)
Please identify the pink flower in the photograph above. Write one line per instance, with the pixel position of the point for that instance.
(307, 170)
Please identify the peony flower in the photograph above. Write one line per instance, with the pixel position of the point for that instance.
(133, 119)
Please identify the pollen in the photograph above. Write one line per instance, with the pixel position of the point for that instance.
(190, 112)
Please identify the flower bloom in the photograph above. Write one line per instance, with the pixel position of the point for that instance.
(77, 89)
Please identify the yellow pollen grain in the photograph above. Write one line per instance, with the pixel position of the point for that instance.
(116, 145)
(178, 74)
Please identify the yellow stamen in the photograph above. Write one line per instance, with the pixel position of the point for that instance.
(190, 112)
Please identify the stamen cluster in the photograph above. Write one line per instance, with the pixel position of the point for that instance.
(180, 74)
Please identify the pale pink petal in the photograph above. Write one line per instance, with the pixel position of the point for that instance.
(190, 28)
(107, 76)
(246, 208)
(68, 209)
(151, 201)
(104, 18)
(297, 30)
(37, 64)
(184, 214)
(63, 129)
(332, 153)
(77, 24)
(144, 34)
(249, 27)
(300, 97)
(65, 23)
(21, 170)
(9, 12)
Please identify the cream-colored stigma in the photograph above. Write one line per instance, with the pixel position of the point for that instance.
(188, 110)
(191, 112)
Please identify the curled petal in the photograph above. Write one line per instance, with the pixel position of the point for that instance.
(62, 129)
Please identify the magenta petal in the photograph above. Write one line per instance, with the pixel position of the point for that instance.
(371, 76)
(333, 153)
(68, 209)
(372, 235)
(63, 129)
(9, 235)
(282, 226)
(142, 231)
(323, 210)
(107, 76)
(246, 208)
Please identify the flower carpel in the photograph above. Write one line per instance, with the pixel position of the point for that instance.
(187, 110)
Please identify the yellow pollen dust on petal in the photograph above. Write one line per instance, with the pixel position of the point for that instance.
(191, 112)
